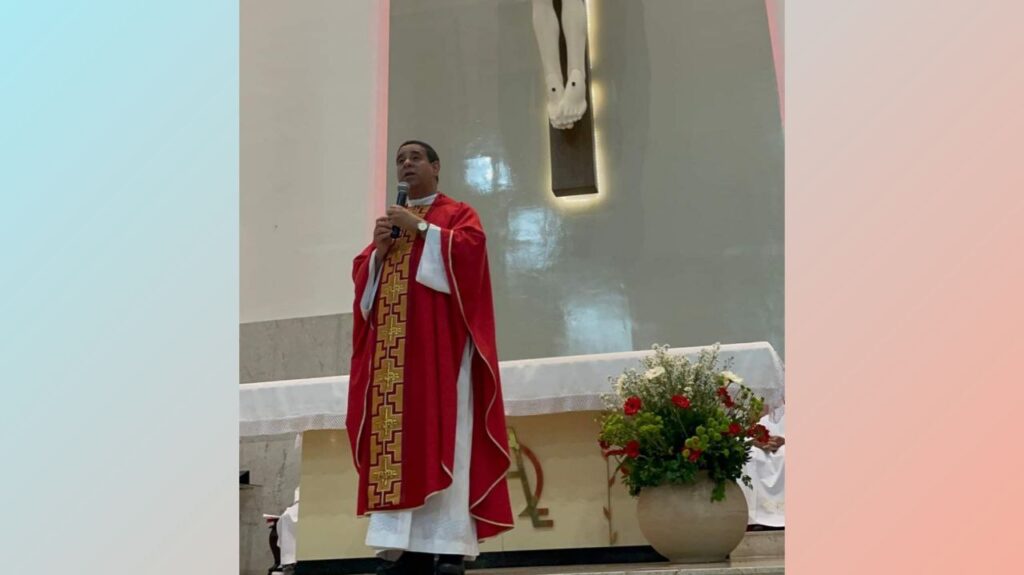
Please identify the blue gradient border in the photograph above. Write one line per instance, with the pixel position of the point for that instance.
(119, 228)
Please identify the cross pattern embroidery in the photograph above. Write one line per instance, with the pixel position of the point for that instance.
(387, 383)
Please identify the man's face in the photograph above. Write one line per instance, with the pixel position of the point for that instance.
(414, 168)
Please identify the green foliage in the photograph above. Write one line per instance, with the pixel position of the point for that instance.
(674, 418)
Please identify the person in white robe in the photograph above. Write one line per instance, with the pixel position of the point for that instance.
(766, 500)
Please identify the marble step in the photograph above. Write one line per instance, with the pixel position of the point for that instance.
(752, 566)
(757, 544)
(760, 553)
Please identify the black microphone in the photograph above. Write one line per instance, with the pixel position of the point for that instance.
(403, 191)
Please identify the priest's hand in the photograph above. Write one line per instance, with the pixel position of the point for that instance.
(382, 239)
(403, 218)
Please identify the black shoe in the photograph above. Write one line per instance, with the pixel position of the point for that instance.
(450, 565)
(409, 563)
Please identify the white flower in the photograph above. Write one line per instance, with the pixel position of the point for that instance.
(654, 372)
(618, 384)
(688, 389)
(732, 377)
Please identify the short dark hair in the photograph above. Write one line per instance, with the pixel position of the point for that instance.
(431, 153)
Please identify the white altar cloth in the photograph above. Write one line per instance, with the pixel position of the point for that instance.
(530, 386)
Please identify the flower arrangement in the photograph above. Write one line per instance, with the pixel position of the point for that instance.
(674, 418)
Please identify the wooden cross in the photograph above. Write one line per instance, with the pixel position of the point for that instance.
(573, 168)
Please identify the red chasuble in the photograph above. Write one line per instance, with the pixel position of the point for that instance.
(405, 362)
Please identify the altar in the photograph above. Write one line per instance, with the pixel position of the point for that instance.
(562, 488)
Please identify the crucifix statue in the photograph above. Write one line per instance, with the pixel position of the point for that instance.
(567, 98)
(567, 84)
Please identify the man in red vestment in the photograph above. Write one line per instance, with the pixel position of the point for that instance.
(426, 419)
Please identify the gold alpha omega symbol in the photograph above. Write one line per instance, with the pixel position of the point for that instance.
(533, 510)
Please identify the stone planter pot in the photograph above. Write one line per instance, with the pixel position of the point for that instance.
(683, 524)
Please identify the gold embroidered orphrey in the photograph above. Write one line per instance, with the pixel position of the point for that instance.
(388, 374)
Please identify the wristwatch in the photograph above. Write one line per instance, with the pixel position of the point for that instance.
(422, 227)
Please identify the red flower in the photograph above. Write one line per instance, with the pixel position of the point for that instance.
(759, 433)
(695, 455)
(633, 405)
(681, 401)
(735, 428)
(723, 393)
(604, 444)
(633, 448)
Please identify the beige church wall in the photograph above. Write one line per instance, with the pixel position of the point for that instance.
(684, 243)
(308, 105)
(308, 82)
(574, 493)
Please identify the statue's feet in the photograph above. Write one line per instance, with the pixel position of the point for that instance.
(558, 126)
(574, 100)
(554, 96)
